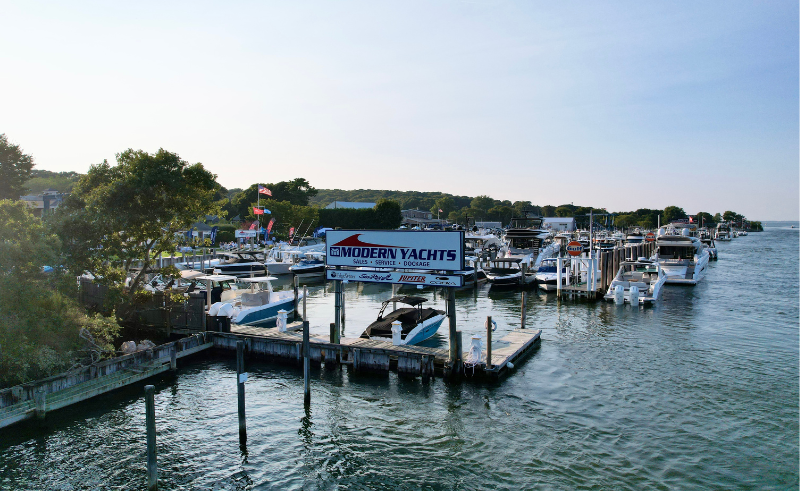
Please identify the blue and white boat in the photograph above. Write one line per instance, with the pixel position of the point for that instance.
(417, 323)
(257, 305)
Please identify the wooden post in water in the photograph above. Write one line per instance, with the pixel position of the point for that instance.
(337, 299)
(305, 294)
(241, 376)
(459, 350)
(306, 363)
(40, 402)
(394, 294)
(343, 302)
(333, 332)
(522, 312)
(150, 423)
(489, 342)
(296, 288)
(173, 358)
(451, 311)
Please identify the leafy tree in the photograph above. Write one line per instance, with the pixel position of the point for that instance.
(132, 212)
(706, 219)
(45, 179)
(387, 214)
(39, 331)
(446, 204)
(717, 218)
(730, 216)
(500, 214)
(482, 204)
(564, 211)
(625, 221)
(673, 213)
(549, 211)
(297, 191)
(15, 169)
(287, 215)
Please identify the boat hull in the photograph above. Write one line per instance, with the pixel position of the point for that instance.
(263, 315)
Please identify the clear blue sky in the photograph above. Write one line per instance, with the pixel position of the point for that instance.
(613, 104)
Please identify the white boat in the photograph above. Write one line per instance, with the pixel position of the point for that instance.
(547, 274)
(637, 282)
(524, 240)
(723, 232)
(485, 246)
(683, 259)
(258, 305)
(239, 264)
(282, 257)
(312, 266)
(508, 272)
(416, 323)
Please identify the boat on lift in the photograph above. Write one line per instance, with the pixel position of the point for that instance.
(283, 256)
(508, 272)
(255, 305)
(312, 266)
(637, 282)
(416, 323)
(547, 274)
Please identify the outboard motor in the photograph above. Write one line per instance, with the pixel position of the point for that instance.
(619, 294)
(634, 295)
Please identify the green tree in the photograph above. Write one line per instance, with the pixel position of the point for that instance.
(39, 331)
(387, 214)
(717, 218)
(117, 215)
(564, 211)
(482, 204)
(730, 216)
(446, 204)
(705, 219)
(549, 211)
(673, 213)
(500, 214)
(15, 169)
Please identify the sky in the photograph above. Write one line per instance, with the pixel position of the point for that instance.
(620, 105)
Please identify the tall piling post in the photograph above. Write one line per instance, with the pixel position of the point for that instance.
(305, 295)
(337, 299)
(241, 377)
(306, 363)
(489, 342)
(522, 314)
(150, 423)
(296, 288)
(451, 311)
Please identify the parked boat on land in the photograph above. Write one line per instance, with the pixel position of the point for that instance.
(416, 323)
(637, 282)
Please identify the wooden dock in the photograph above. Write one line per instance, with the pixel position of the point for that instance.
(377, 355)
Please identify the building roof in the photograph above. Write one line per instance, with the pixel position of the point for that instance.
(350, 204)
(558, 219)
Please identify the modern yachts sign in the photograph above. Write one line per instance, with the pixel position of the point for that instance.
(396, 277)
(396, 249)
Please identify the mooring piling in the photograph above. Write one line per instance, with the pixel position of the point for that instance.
(150, 422)
(305, 294)
(241, 377)
(296, 288)
(522, 312)
(306, 363)
(489, 342)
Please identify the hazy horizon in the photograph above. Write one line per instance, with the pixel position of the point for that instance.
(619, 105)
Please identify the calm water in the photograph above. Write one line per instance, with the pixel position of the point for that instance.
(698, 392)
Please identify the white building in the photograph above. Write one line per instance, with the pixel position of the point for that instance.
(559, 224)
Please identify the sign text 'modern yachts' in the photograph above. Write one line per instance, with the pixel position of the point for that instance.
(396, 249)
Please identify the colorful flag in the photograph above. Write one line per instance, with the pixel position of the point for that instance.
(691, 219)
(263, 190)
(257, 211)
(440, 210)
(254, 225)
(291, 231)
(269, 225)
(214, 234)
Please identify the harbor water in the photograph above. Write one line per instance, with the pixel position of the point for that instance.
(698, 392)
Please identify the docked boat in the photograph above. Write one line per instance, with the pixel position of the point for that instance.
(474, 273)
(525, 239)
(484, 246)
(635, 237)
(240, 264)
(282, 257)
(683, 259)
(723, 232)
(547, 275)
(416, 323)
(312, 266)
(257, 305)
(508, 272)
(637, 282)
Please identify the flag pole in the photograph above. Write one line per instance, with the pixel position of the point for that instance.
(258, 205)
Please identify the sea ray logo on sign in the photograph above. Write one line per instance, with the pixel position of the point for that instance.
(396, 249)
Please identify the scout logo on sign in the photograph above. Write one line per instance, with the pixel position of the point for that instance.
(574, 248)
(396, 249)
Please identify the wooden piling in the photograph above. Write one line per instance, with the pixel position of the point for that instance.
(240, 378)
(40, 403)
(306, 363)
(459, 350)
(451, 311)
(150, 423)
(173, 359)
(522, 312)
(337, 301)
(296, 288)
(489, 342)
(333, 332)
(305, 294)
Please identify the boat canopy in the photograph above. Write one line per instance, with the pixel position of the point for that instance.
(407, 299)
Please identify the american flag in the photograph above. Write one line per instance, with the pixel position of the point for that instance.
(263, 190)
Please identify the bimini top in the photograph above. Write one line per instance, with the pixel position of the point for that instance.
(407, 299)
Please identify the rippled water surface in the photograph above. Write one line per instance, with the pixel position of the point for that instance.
(698, 392)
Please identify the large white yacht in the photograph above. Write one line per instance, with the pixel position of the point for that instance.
(684, 259)
(283, 256)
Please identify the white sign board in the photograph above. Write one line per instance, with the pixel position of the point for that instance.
(397, 277)
(398, 249)
(243, 234)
